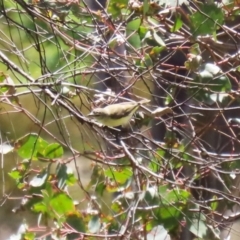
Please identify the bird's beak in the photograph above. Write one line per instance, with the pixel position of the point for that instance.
(91, 114)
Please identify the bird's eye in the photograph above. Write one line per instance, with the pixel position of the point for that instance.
(96, 112)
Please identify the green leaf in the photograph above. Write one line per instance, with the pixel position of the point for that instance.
(224, 83)
(53, 150)
(15, 174)
(132, 33)
(76, 222)
(169, 216)
(173, 196)
(62, 204)
(98, 180)
(154, 165)
(113, 186)
(100, 188)
(214, 204)
(206, 20)
(145, 7)
(218, 97)
(147, 61)
(235, 165)
(115, 7)
(30, 145)
(212, 84)
(209, 77)
(19, 173)
(94, 224)
(28, 236)
(135, 41)
(143, 31)
(116, 207)
(151, 196)
(40, 207)
(114, 226)
(158, 39)
(7, 80)
(177, 24)
(198, 225)
(54, 205)
(65, 176)
(119, 175)
(155, 52)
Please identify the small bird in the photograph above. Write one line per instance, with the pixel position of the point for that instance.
(118, 114)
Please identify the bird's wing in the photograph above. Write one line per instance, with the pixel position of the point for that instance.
(120, 110)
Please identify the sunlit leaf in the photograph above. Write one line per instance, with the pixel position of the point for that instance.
(119, 175)
(158, 232)
(30, 145)
(211, 82)
(151, 196)
(15, 174)
(234, 120)
(218, 97)
(62, 203)
(172, 3)
(158, 39)
(40, 207)
(5, 148)
(39, 179)
(53, 150)
(143, 31)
